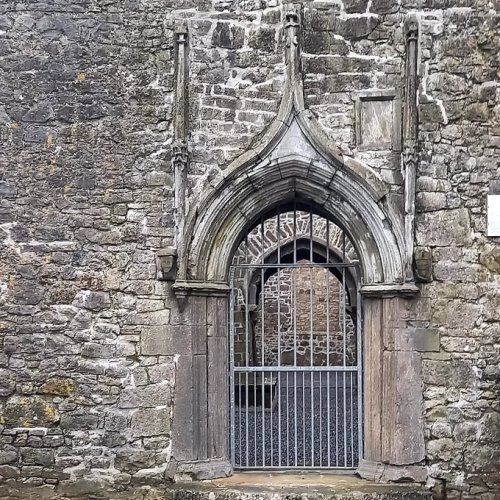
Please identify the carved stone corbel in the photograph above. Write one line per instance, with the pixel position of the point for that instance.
(167, 260)
(422, 264)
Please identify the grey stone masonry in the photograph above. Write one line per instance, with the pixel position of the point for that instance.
(98, 354)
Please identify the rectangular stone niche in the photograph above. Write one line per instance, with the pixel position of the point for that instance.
(378, 120)
(493, 213)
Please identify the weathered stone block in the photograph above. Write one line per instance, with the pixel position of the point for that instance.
(489, 430)
(79, 422)
(35, 456)
(116, 420)
(151, 422)
(7, 189)
(166, 340)
(263, 39)
(58, 387)
(490, 257)
(482, 457)
(30, 411)
(7, 382)
(355, 6)
(113, 439)
(161, 373)
(383, 6)
(8, 454)
(131, 459)
(228, 36)
(9, 472)
(93, 350)
(444, 228)
(95, 301)
(417, 339)
(153, 318)
(148, 396)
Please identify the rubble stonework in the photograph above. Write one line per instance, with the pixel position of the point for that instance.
(93, 343)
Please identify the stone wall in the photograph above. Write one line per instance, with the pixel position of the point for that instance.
(90, 338)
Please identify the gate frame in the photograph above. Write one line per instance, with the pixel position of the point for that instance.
(359, 367)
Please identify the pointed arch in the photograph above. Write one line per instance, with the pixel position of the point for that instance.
(227, 213)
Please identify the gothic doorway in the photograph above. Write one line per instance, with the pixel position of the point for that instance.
(295, 345)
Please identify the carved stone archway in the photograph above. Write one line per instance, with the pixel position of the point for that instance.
(295, 160)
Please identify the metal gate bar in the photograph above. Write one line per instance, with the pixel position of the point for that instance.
(295, 395)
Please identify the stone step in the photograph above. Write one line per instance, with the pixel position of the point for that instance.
(248, 486)
(282, 486)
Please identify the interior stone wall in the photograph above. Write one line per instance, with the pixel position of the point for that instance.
(310, 306)
(90, 339)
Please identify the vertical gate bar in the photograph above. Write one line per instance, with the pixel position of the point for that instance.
(255, 418)
(262, 337)
(287, 422)
(240, 447)
(311, 325)
(320, 375)
(231, 367)
(278, 224)
(304, 418)
(344, 356)
(247, 358)
(262, 362)
(294, 302)
(352, 422)
(359, 363)
(328, 424)
(336, 419)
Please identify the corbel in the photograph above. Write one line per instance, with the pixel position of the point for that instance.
(422, 264)
(167, 263)
(410, 138)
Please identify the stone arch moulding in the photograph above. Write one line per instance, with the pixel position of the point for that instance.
(295, 160)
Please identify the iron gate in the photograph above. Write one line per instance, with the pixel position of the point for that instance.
(295, 353)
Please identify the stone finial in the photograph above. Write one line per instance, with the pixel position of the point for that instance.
(292, 40)
(411, 30)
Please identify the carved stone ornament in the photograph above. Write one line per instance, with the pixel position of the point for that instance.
(167, 260)
(422, 263)
(180, 154)
(410, 154)
(291, 28)
(412, 31)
